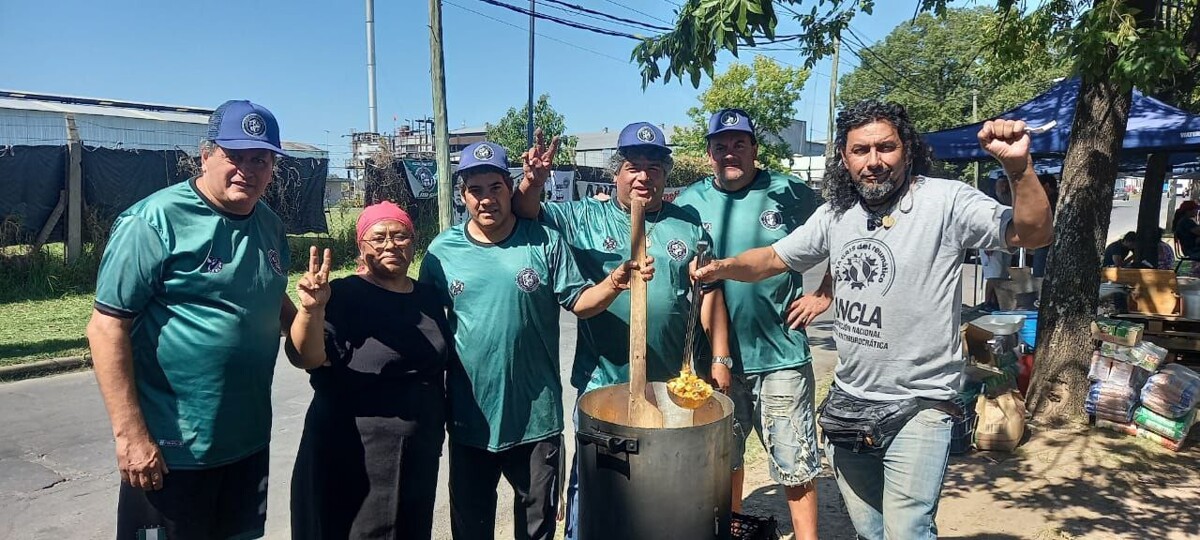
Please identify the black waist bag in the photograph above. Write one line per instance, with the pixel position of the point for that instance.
(868, 427)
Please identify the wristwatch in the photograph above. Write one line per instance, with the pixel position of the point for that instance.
(726, 361)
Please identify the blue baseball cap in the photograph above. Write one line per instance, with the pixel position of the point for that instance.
(726, 120)
(483, 154)
(642, 134)
(239, 125)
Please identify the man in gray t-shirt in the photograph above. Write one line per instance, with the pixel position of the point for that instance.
(895, 242)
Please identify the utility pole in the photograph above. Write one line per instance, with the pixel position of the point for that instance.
(837, 48)
(371, 104)
(441, 136)
(975, 118)
(529, 102)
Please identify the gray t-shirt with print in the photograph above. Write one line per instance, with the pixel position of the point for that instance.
(897, 294)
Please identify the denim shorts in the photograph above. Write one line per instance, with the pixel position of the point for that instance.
(779, 406)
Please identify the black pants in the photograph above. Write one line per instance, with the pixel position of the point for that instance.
(229, 501)
(532, 469)
(366, 477)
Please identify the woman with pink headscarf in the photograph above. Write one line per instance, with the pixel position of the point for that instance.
(376, 345)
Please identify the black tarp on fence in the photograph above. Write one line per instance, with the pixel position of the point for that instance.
(31, 178)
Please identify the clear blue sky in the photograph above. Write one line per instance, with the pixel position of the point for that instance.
(305, 60)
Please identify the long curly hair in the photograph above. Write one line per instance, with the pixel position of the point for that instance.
(839, 187)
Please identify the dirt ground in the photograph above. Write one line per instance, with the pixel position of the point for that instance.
(1059, 485)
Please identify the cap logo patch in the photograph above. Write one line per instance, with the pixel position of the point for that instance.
(729, 119)
(645, 134)
(528, 280)
(254, 125)
(484, 152)
(677, 249)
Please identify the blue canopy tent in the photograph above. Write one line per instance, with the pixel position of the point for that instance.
(1153, 126)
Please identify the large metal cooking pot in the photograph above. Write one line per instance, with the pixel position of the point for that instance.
(664, 483)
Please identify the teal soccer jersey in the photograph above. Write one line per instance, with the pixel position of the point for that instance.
(598, 232)
(758, 215)
(204, 290)
(504, 302)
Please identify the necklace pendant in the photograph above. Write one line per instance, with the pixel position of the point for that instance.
(889, 221)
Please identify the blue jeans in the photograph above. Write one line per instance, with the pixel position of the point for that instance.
(895, 495)
(779, 406)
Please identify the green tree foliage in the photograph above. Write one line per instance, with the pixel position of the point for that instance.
(1149, 57)
(766, 90)
(509, 132)
(688, 169)
(932, 64)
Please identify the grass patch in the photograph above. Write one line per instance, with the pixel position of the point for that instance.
(40, 329)
(56, 327)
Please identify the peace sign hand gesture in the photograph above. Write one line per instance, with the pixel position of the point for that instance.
(313, 287)
(538, 161)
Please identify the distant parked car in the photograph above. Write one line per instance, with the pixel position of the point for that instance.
(1120, 193)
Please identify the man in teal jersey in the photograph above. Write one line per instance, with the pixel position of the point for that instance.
(189, 302)
(504, 280)
(599, 234)
(744, 207)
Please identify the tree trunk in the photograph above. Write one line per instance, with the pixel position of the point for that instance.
(1070, 294)
(1148, 208)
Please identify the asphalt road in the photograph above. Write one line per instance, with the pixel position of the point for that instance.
(57, 470)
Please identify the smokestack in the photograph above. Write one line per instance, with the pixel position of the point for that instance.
(371, 104)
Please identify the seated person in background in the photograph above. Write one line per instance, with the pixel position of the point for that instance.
(1166, 254)
(1120, 253)
(1187, 231)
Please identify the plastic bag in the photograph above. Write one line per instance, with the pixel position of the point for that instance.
(1174, 429)
(1172, 392)
(1001, 421)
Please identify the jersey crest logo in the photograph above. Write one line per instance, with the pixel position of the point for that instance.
(771, 219)
(610, 244)
(707, 227)
(866, 263)
(254, 125)
(273, 257)
(528, 280)
(645, 134)
(483, 152)
(677, 249)
(456, 288)
(213, 265)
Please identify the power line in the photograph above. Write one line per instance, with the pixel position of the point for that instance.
(564, 22)
(595, 13)
(539, 34)
(637, 11)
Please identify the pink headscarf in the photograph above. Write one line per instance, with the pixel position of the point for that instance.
(382, 211)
